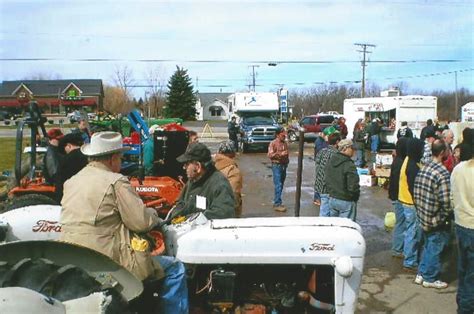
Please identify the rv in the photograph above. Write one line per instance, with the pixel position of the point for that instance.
(393, 110)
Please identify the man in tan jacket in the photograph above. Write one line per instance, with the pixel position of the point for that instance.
(225, 162)
(103, 212)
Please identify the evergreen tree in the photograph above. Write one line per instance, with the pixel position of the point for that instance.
(181, 101)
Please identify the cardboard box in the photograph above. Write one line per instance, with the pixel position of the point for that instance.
(367, 180)
(382, 172)
(384, 159)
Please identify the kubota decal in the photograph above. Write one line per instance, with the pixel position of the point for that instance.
(144, 189)
(47, 226)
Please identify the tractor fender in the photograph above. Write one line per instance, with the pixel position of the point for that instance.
(66, 256)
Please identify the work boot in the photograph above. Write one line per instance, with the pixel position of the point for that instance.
(279, 208)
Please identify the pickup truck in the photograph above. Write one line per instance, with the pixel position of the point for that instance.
(257, 129)
(312, 124)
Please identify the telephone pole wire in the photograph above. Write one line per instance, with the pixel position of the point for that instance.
(364, 63)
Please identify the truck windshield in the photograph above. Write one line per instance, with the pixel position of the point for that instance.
(257, 120)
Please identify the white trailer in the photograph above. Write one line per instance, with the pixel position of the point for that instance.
(414, 109)
(467, 112)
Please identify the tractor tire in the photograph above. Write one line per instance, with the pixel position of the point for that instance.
(29, 200)
(63, 283)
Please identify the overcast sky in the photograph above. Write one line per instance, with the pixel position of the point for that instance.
(218, 41)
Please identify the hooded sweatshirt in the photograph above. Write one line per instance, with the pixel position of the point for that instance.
(342, 180)
(229, 168)
(397, 163)
(409, 170)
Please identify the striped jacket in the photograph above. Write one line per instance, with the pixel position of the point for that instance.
(321, 160)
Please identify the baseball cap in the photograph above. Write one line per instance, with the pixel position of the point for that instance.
(55, 134)
(329, 130)
(195, 152)
(344, 144)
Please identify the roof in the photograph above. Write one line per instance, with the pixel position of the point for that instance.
(209, 98)
(52, 87)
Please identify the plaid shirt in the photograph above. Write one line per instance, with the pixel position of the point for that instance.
(321, 160)
(432, 195)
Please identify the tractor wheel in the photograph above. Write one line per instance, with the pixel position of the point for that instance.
(29, 200)
(63, 283)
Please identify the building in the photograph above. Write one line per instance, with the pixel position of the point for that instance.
(212, 106)
(53, 96)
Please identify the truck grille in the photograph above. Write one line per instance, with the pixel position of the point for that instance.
(264, 132)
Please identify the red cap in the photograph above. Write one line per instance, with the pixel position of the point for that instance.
(55, 134)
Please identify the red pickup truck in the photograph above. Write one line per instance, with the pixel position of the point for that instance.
(313, 124)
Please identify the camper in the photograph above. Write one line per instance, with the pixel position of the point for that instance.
(392, 109)
(257, 114)
(467, 112)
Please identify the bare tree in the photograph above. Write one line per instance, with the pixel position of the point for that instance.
(157, 82)
(123, 79)
(115, 100)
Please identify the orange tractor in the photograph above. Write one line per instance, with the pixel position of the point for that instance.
(159, 191)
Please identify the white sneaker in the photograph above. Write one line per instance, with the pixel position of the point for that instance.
(438, 284)
(418, 279)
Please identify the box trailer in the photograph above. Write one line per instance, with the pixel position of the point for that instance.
(414, 109)
(467, 112)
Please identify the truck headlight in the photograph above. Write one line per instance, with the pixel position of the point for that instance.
(343, 265)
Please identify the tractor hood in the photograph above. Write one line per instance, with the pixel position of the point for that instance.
(280, 240)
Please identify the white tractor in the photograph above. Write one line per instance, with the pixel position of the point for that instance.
(245, 265)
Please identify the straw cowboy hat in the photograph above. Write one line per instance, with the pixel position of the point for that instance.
(104, 143)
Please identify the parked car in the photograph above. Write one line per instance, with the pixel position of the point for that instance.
(4, 115)
(76, 115)
(313, 124)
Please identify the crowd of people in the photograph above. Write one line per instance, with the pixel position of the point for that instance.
(430, 187)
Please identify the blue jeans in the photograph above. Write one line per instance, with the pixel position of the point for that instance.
(430, 262)
(279, 176)
(465, 295)
(360, 158)
(412, 236)
(374, 143)
(174, 290)
(324, 209)
(398, 236)
(341, 208)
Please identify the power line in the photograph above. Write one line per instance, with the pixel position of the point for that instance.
(230, 60)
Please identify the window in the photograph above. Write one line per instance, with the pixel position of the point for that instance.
(71, 93)
(216, 111)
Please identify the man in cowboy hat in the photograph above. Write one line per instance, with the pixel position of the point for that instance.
(207, 190)
(102, 211)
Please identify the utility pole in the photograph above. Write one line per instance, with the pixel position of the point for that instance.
(456, 96)
(253, 75)
(364, 63)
